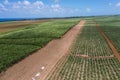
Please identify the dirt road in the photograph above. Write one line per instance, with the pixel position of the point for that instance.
(38, 65)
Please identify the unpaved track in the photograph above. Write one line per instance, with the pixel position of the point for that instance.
(113, 48)
(47, 57)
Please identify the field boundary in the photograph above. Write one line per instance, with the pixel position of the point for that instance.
(110, 43)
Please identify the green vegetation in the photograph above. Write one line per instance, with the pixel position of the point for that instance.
(111, 27)
(90, 44)
(16, 45)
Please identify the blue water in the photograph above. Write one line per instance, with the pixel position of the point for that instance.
(16, 19)
(9, 19)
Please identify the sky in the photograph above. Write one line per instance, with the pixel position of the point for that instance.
(57, 8)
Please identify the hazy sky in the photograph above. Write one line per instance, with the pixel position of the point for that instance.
(57, 8)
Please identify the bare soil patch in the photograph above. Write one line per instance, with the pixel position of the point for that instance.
(38, 65)
(18, 24)
(110, 43)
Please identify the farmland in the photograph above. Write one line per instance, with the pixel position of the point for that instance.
(12, 25)
(17, 44)
(91, 57)
(59, 40)
(111, 27)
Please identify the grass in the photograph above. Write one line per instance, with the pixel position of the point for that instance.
(17, 44)
(89, 42)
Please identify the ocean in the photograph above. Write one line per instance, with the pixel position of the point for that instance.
(9, 19)
(17, 19)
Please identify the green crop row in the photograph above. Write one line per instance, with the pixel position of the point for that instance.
(87, 69)
(16, 45)
(89, 43)
(111, 26)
